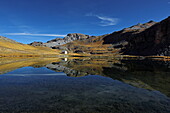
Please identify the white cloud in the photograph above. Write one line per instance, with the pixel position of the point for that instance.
(30, 34)
(50, 74)
(105, 21)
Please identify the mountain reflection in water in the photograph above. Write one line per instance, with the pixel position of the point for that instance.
(123, 85)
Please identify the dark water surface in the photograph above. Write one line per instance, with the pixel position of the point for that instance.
(84, 86)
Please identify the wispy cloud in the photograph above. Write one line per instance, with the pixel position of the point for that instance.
(105, 21)
(30, 34)
(50, 74)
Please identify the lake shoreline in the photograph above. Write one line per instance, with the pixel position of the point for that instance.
(161, 58)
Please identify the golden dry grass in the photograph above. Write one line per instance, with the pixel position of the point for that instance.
(13, 49)
(93, 47)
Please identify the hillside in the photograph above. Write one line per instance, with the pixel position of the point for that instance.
(80, 44)
(148, 39)
(61, 41)
(93, 46)
(153, 41)
(65, 40)
(126, 33)
(105, 45)
(10, 47)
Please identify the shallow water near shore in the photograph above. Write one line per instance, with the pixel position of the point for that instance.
(79, 85)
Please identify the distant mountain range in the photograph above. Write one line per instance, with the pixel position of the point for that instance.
(151, 38)
(61, 41)
(148, 39)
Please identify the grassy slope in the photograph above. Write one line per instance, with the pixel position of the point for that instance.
(95, 46)
(9, 48)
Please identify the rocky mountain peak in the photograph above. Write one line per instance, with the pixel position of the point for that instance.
(151, 21)
(69, 38)
(36, 43)
(140, 27)
(54, 40)
(76, 36)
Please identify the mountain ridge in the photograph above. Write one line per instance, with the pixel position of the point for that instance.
(148, 39)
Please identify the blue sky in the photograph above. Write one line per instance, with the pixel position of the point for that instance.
(41, 20)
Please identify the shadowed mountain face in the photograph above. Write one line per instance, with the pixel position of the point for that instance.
(147, 39)
(127, 33)
(151, 38)
(143, 39)
(153, 41)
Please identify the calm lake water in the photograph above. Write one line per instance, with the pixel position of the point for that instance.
(84, 85)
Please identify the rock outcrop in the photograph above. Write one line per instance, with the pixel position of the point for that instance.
(127, 33)
(151, 38)
(36, 44)
(67, 39)
(143, 39)
(57, 42)
(153, 41)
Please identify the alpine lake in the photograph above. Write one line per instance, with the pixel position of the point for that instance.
(84, 85)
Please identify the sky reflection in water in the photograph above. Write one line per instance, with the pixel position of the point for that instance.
(40, 89)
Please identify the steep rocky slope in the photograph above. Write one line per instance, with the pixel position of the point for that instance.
(143, 39)
(126, 33)
(153, 41)
(148, 39)
(114, 43)
(67, 39)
